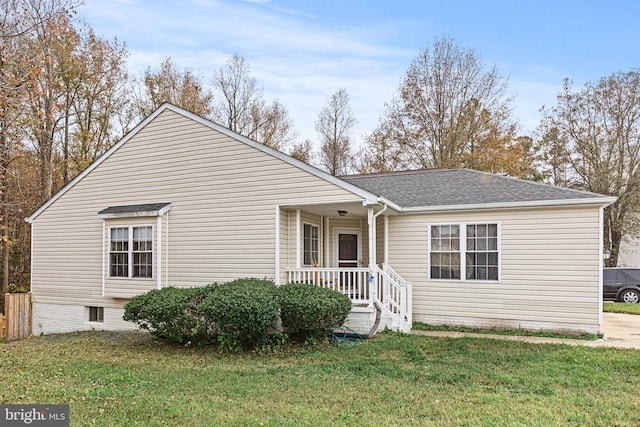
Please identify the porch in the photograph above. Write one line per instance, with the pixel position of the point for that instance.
(344, 246)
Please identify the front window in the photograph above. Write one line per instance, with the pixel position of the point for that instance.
(445, 252)
(311, 244)
(131, 252)
(464, 252)
(482, 252)
(119, 252)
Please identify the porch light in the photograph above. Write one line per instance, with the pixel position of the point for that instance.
(606, 254)
(342, 213)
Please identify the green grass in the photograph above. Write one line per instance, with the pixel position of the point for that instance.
(621, 307)
(513, 332)
(395, 379)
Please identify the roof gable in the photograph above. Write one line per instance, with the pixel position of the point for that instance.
(368, 198)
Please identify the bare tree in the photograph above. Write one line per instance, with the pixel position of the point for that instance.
(22, 22)
(241, 107)
(303, 151)
(554, 155)
(448, 108)
(274, 126)
(334, 126)
(179, 87)
(102, 77)
(601, 126)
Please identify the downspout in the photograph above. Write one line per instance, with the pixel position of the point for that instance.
(375, 234)
(372, 250)
(298, 239)
(159, 250)
(104, 244)
(277, 248)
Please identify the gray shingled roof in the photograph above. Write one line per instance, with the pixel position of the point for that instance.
(450, 187)
(134, 208)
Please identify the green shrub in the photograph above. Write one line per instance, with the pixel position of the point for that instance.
(172, 314)
(244, 311)
(311, 311)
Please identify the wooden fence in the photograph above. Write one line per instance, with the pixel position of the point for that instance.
(17, 316)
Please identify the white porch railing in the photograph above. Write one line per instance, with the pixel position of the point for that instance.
(389, 290)
(395, 295)
(350, 281)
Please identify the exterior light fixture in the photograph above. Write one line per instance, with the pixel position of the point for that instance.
(342, 213)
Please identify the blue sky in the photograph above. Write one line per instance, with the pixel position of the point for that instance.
(301, 52)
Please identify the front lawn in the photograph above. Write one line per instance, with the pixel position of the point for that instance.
(395, 379)
(621, 307)
(419, 326)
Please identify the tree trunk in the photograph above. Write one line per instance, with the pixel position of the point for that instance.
(4, 215)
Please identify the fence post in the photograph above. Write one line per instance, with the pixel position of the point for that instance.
(17, 316)
(2, 329)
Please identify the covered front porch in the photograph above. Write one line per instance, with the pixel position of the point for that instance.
(345, 247)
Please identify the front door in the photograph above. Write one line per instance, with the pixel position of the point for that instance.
(347, 250)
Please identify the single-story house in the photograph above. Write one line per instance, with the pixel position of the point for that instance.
(182, 201)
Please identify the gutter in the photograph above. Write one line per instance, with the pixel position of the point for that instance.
(595, 201)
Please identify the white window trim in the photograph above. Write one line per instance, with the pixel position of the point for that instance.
(319, 260)
(463, 251)
(154, 252)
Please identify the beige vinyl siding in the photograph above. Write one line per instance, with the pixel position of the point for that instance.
(549, 266)
(380, 240)
(223, 195)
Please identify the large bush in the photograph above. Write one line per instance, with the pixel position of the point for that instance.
(171, 313)
(311, 310)
(244, 310)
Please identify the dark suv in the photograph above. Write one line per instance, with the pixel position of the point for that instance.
(621, 284)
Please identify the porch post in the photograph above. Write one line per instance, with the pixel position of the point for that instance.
(298, 238)
(371, 280)
(327, 261)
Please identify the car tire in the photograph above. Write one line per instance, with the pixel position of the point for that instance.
(630, 296)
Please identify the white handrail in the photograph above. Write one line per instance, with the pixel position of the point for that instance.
(395, 296)
(350, 281)
(389, 289)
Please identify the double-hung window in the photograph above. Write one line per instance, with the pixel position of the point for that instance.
(310, 243)
(464, 251)
(131, 252)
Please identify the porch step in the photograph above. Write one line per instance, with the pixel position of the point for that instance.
(361, 319)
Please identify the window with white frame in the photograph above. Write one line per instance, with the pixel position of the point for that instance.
(310, 244)
(464, 251)
(131, 252)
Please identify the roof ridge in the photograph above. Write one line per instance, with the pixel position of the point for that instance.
(391, 173)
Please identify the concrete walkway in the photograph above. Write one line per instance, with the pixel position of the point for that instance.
(620, 331)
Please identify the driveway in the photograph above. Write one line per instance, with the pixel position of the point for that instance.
(621, 330)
